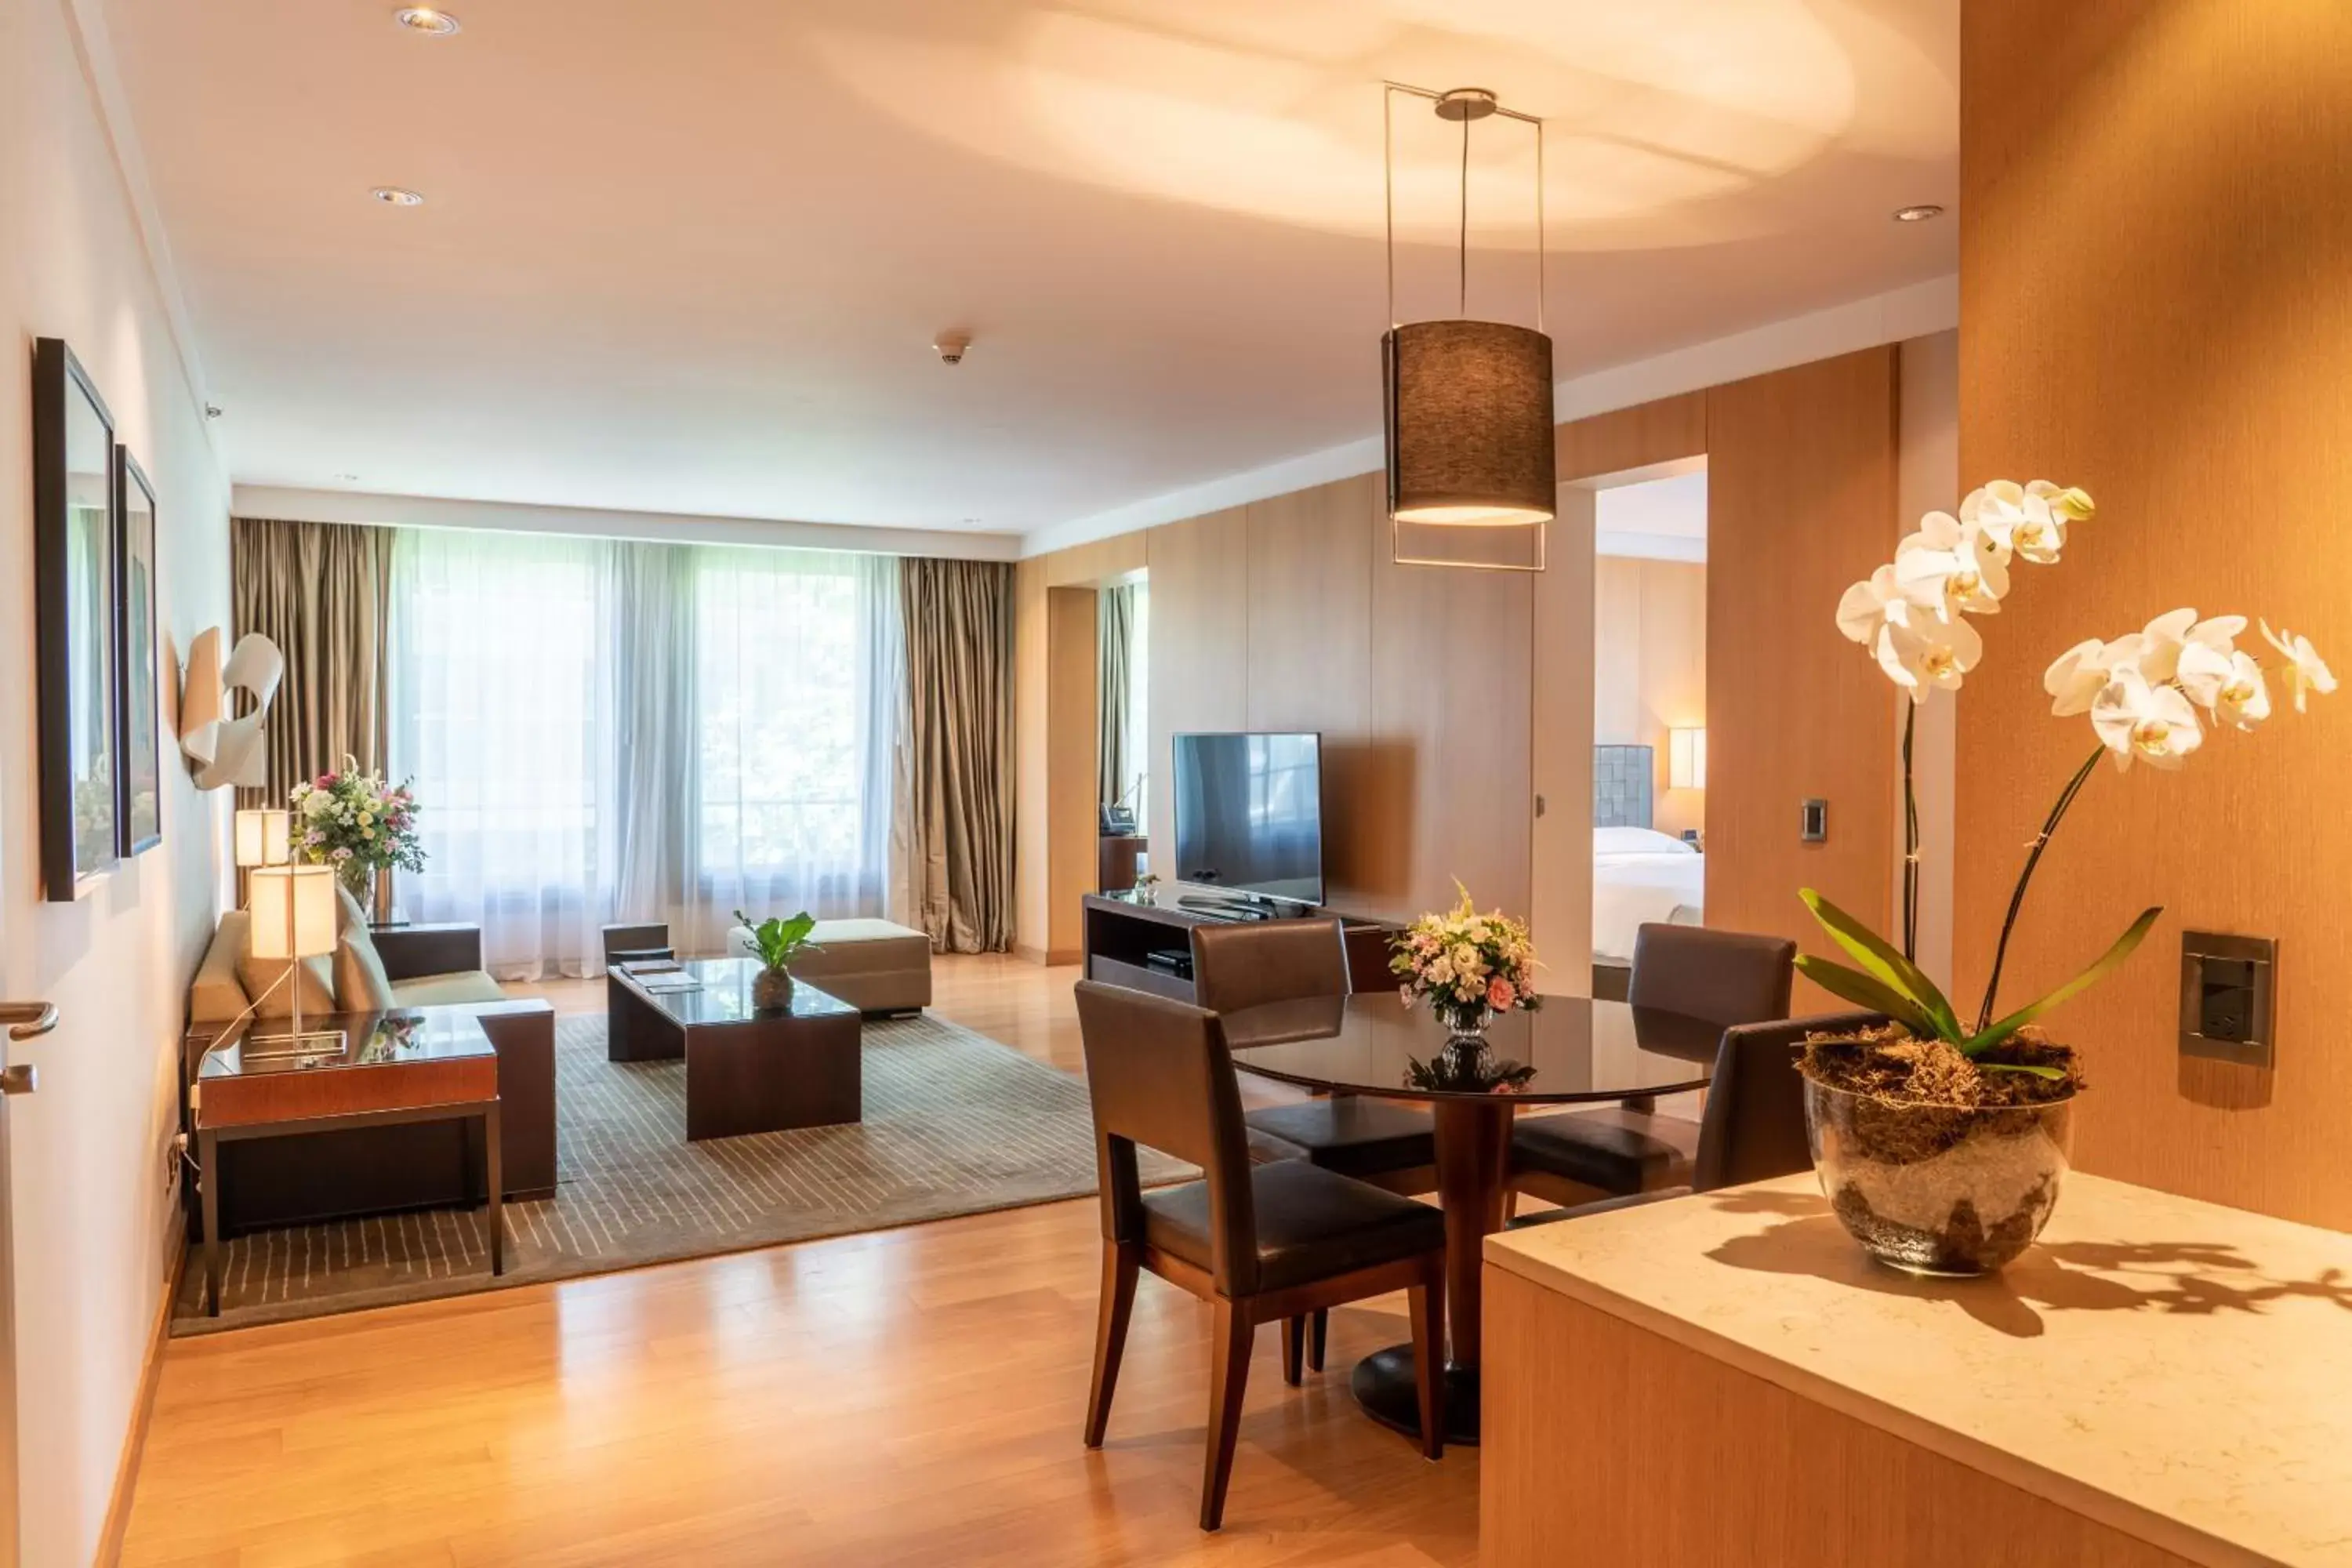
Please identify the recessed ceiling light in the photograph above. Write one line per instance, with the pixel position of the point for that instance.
(425, 19)
(1919, 213)
(393, 196)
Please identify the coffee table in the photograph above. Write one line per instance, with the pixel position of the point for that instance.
(748, 1070)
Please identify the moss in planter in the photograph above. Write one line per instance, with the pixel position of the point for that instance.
(1890, 1064)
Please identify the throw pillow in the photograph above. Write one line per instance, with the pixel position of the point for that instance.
(347, 913)
(361, 984)
(258, 975)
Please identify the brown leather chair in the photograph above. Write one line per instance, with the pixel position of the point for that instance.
(1721, 976)
(1754, 1128)
(1258, 1243)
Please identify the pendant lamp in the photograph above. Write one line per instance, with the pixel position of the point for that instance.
(1468, 402)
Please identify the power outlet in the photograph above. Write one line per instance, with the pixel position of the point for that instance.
(175, 1160)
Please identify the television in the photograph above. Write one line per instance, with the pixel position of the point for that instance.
(1249, 814)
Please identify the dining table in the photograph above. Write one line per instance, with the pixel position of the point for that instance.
(1573, 1050)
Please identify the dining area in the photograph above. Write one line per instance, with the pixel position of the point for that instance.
(1418, 1137)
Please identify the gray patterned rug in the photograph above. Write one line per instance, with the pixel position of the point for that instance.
(955, 1124)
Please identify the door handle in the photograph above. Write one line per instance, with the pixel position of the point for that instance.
(19, 1079)
(28, 1020)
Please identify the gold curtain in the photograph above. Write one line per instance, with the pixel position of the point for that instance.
(1114, 666)
(321, 592)
(959, 625)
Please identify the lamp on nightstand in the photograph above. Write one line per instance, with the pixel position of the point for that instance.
(294, 919)
(1686, 758)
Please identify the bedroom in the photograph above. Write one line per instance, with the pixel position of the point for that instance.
(1649, 711)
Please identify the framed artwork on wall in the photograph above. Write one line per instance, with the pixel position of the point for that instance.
(139, 807)
(75, 578)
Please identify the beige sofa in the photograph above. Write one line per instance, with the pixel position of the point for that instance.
(427, 965)
(873, 966)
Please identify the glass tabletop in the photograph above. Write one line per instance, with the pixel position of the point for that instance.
(333, 1040)
(699, 992)
(1570, 1049)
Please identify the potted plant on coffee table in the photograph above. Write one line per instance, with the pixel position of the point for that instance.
(1940, 1141)
(777, 941)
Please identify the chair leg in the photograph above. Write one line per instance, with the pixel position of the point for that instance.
(1294, 1350)
(1120, 1266)
(1318, 1331)
(1228, 1379)
(1428, 1305)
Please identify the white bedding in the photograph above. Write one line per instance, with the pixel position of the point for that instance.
(1642, 877)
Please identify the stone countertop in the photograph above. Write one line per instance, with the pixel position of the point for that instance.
(2175, 1370)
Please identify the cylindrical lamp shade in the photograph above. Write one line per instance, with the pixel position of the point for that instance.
(1686, 758)
(293, 911)
(263, 837)
(1469, 424)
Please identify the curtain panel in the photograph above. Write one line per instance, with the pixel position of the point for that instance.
(1114, 681)
(958, 618)
(321, 590)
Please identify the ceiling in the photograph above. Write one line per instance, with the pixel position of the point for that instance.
(1661, 518)
(690, 257)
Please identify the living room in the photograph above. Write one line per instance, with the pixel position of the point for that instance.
(726, 711)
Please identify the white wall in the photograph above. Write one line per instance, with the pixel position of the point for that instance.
(93, 1221)
(1649, 668)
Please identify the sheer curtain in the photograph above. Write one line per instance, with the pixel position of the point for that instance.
(602, 730)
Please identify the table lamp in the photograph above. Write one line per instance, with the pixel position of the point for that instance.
(293, 919)
(1686, 758)
(263, 838)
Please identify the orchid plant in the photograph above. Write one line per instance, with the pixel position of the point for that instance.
(2150, 696)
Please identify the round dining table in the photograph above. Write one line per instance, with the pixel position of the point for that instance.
(1573, 1050)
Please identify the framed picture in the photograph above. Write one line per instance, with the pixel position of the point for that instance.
(140, 807)
(75, 577)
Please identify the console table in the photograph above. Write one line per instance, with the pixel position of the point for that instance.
(1123, 930)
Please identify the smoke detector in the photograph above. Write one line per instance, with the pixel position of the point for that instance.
(952, 346)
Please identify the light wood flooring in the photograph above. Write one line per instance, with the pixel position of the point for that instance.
(902, 1397)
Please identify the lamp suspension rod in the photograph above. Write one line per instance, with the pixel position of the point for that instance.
(1464, 308)
(1488, 105)
(1388, 183)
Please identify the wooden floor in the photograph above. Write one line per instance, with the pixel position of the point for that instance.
(910, 1396)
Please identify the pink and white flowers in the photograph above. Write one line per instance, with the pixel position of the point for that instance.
(1465, 964)
(349, 820)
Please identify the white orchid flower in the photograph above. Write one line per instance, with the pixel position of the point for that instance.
(2227, 685)
(1949, 566)
(2078, 676)
(2163, 638)
(1867, 606)
(2071, 504)
(2017, 517)
(2305, 671)
(2137, 721)
(1928, 656)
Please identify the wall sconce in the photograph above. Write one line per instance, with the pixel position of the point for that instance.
(1686, 758)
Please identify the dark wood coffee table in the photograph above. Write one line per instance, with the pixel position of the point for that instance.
(748, 1070)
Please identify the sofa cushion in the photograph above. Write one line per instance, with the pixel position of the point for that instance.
(216, 996)
(433, 990)
(260, 977)
(360, 984)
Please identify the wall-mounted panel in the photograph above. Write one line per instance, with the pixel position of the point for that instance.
(1199, 572)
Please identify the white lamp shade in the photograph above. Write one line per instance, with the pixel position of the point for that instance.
(293, 911)
(263, 837)
(1686, 758)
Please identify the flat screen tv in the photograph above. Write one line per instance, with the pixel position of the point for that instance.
(1249, 814)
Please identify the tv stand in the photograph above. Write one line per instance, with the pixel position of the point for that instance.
(1122, 932)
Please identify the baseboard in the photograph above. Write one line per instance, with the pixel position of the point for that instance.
(135, 1441)
(1028, 954)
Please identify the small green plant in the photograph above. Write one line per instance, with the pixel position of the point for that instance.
(780, 940)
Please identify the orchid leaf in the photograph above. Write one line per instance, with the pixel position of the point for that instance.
(2054, 1074)
(1883, 959)
(1864, 991)
(2107, 963)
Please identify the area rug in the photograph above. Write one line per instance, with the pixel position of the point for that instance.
(956, 1123)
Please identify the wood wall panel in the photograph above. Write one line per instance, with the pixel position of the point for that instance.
(1559, 894)
(1310, 661)
(1199, 572)
(1665, 431)
(2181, 354)
(1072, 778)
(1450, 720)
(1699, 1463)
(1801, 502)
(1031, 902)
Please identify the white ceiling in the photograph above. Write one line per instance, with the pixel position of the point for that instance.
(1654, 518)
(690, 256)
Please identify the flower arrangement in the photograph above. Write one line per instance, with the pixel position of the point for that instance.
(349, 820)
(1468, 967)
(2151, 696)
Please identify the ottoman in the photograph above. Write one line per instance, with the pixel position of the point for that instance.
(873, 965)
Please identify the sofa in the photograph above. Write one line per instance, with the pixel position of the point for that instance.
(326, 1176)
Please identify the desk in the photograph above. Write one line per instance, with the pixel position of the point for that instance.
(389, 1069)
(1726, 1378)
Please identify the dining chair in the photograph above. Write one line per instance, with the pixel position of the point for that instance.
(1754, 1126)
(1718, 976)
(1261, 963)
(1260, 1243)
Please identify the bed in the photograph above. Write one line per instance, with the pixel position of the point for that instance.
(1639, 876)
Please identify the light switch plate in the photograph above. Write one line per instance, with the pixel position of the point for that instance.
(1814, 822)
(2227, 987)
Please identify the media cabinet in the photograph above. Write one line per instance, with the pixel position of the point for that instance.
(1122, 932)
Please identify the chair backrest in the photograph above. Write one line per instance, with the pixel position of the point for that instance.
(1726, 977)
(1754, 1128)
(1159, 1074)
(1238, 964)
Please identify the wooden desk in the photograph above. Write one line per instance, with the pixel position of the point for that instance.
(389, 1068)
(1726, 1379)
